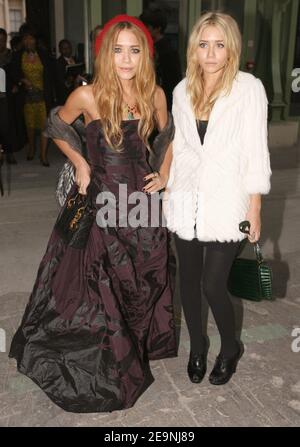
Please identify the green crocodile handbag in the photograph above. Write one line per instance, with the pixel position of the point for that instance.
(250, 279)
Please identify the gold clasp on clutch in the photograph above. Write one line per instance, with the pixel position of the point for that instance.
(74, 222)
(71, 202)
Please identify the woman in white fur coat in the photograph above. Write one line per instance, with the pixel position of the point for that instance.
(219, 170)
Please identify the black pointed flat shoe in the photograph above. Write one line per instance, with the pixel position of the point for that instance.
(224, 368)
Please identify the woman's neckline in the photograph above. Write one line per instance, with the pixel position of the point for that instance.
(99, 119)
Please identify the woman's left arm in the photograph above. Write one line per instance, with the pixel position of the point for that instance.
(253, 216)
(158, 180)
(256, 157)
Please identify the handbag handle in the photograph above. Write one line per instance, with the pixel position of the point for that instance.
(245, 228)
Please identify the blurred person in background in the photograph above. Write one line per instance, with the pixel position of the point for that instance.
(65, 83)
(5, 53)
(16, 43)
(167, 62)
(33, 74)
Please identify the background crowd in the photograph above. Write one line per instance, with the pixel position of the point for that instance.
(38, 80)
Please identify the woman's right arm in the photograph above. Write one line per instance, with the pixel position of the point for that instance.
(76, 105)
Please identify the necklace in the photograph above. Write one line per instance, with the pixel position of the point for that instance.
(130, 111)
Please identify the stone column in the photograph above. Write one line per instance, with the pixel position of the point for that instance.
(134, 7)
(189, 12)
(6, 16)
(290, 30)
(96, 13)
(87, 29)
(277, 104)
(23, 10)
(248, 56)
(59, 20)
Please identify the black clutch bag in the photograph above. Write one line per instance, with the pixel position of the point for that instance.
(75, 220)
(250, 279)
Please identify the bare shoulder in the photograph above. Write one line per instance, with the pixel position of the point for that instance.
(79, 102)
(84, 96)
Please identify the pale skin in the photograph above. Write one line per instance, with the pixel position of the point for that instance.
(212, 56)
(81, 101)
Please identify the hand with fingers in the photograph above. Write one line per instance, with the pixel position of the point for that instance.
(27, 84)
(156, 182)
(253, 216)
(83, 177)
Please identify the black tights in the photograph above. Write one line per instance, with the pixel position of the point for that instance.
(212, 270)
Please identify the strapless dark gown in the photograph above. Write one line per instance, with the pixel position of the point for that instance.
(97, 315)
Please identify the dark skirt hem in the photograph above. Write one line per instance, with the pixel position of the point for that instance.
(108, 407)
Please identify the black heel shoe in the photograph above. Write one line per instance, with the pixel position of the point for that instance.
(224, 368)
(197, 366)
(46, 164)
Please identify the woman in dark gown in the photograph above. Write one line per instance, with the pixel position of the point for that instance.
(98, 314)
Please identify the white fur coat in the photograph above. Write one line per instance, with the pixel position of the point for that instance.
(210, 184)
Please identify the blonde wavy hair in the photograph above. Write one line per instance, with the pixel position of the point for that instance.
(233, 44)
(108, 91)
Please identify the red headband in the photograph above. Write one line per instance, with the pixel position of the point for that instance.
(124, 18)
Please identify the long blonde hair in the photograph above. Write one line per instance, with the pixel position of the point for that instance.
(233, 44)
(108, 91)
